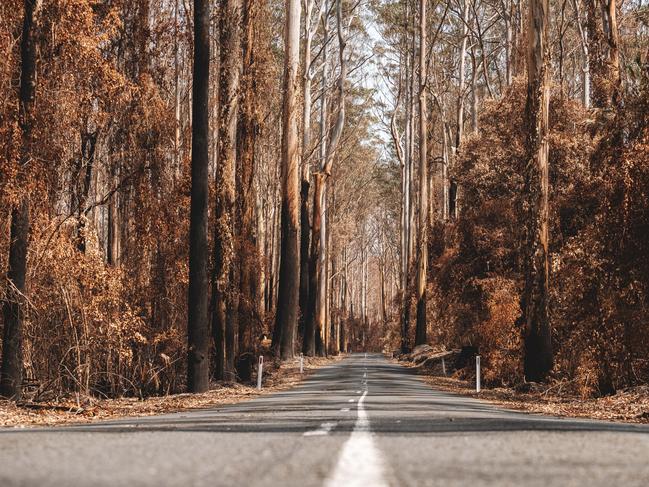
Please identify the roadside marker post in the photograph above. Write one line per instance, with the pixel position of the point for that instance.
(301, 363)
(260, 371)
(443, 367)
(477, 373)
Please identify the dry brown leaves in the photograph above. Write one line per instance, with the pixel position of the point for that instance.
(86, 410)
(631, 405)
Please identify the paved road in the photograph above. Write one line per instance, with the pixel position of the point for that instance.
(362, 422)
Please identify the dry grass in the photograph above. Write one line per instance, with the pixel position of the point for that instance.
(85, 410)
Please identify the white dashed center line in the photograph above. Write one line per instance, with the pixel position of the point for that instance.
(360, 463)
(324, 429)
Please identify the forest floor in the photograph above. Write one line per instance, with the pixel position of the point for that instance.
(89, 409)
(631, 405)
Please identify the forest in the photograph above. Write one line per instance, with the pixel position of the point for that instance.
(185, 186)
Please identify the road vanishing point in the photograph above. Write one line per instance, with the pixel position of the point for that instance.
(363, 421)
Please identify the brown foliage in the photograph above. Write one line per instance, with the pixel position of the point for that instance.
(598, 243)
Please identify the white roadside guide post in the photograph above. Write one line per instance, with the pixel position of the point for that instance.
(260, 371)
(477, 373)
(443, 367)
(301, 363)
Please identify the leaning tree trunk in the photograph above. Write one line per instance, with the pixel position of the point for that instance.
(198, 325)
(538, 343)
(11, 374)
(422, 261)
(289, 272)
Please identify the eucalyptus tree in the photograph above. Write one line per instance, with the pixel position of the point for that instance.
(13, 308)
(289, 272)
(198, 323)
(538, 339)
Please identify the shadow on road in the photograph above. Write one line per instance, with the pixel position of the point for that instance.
(398, 403)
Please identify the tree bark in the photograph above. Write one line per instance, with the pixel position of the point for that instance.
(603, 38)
(310, 29)
(86, 162)
(538, 340)
(225, 306)
(198, 324)
(246, 167)
(583, 37)
(312, 334)
(11, 373)
(289, 273)
(329, 148)
(422, 261)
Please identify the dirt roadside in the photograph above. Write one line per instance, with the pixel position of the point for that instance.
(86, 410)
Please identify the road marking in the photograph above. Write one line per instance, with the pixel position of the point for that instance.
(360, 463)
(324, 429)
(358, 392)
(345, 409)
(350, 400)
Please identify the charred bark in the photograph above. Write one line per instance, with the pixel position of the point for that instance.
(11, 372)
(289, 271)
(198, 324)
(538, 341)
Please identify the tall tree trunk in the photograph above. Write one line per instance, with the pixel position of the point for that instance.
(538, 340)
(405, 210)
(422, 260)
(312, 334)
(475, 96)
(583, 37)
(329, 152)
(453, 189)
(343, 304)
(177, 101)
(248, 130)
(321, 268)
(112, 238)
(310, 29)
(604, 52)
(225, 306)
(198, 324)
(11, 374)
(289, 273)
(305, 239)
(86, 162)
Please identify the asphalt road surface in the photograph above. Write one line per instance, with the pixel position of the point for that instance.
(361, 422)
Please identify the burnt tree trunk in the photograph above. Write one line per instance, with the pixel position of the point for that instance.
(305, 239)
(313, 343)
(197, 323)
(538, 342)
(11, 373)
(289, 271)
(87, 162)
(225, 310)
(246, 199)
